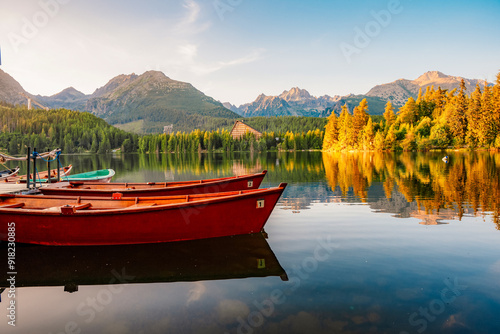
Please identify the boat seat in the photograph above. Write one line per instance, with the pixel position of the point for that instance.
(12, 206)
(70, 207)
(81, 206)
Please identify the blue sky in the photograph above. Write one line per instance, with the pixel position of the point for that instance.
(233, 50)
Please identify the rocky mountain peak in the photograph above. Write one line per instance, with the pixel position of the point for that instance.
(68, 93)
(295, 94)
(400, 90)
(155, 75)
(431, 77)
(114, 83)
(260, 98)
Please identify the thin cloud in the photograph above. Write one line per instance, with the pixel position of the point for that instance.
(203, 69)
(190, 23)
(193, 11)
(188, 51)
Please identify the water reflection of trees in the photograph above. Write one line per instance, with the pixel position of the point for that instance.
(281, 166)
(470, 182)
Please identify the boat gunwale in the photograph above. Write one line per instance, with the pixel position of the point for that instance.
(64, 171)
(185, 184)
(131, 210)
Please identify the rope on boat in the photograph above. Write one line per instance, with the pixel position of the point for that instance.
(53, 153)
(39, 179)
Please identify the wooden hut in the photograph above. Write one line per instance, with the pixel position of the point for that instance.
(240, 128)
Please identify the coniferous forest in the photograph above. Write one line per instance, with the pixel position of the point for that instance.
(72, 131)
(437, 119)
(79, 132)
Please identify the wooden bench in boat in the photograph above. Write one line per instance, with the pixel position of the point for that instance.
(69, 209)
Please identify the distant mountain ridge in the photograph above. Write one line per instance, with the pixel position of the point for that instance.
(299, 102)
(400, 90)
(293, 102)
(145, 103)
(69, 98)
(148, 102)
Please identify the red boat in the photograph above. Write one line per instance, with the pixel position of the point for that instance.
(62, 220)
(232, 183)
(41, 176)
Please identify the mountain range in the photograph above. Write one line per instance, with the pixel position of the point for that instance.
(293, 102)
(299, 102)
(140, 103)
(400, 90)
(147, 102)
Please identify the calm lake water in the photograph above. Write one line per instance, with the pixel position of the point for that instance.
(359, 243)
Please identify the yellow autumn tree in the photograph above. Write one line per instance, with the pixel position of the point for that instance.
(359, 120)
(346, 139)
(457, 116)
(474, 112)
(389, 115)
(331, 133)
(409, 112)
(368, 135)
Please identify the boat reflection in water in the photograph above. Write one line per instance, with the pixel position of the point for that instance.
(239, 256)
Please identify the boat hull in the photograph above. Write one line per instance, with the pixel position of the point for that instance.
(216, 217)
(156, 189)
(101, 176)
(42, 177)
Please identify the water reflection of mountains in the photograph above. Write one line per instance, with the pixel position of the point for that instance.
(239, 256)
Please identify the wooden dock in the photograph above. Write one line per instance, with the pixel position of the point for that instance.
(15, 188)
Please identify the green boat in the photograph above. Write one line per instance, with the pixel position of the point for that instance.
(101, 175)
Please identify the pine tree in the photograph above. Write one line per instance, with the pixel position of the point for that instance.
(389, 115)
(419, 97)
(457, 118)
(368, 136)
(409, 112)
(474, 115)
(424, 106)
(496, 106)
(390, 138)
(331, 133)
(379, 142)
(359, 121)
(95, 144)
(486, 122)
(13, 146)
(438, 99)
(345, 129)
